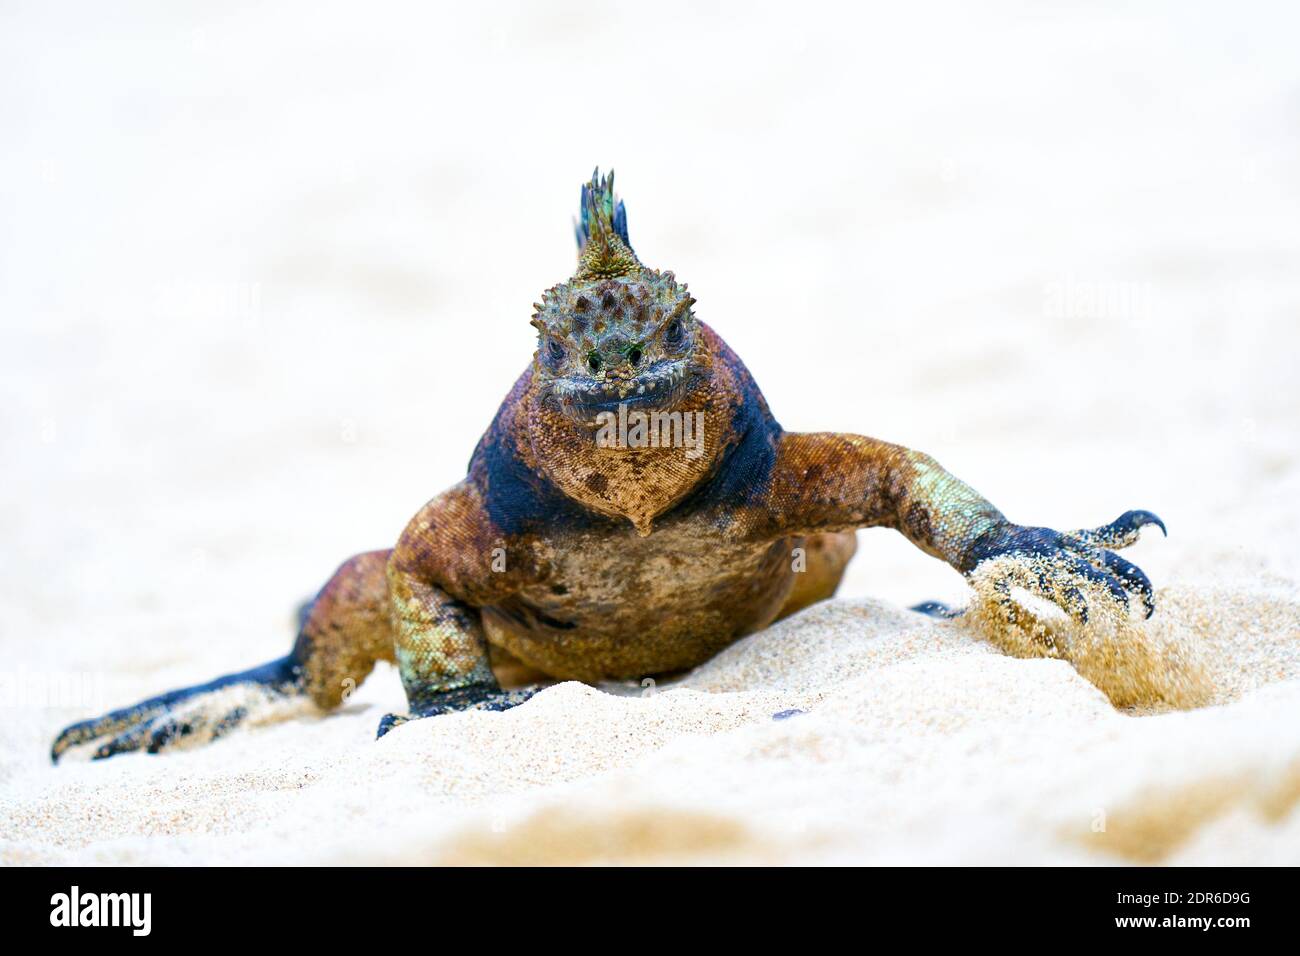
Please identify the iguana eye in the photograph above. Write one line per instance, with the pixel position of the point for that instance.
(593, 360)
(673, 334)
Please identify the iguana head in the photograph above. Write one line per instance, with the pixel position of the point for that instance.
(617, 332)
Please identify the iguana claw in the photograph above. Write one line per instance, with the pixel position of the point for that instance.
(1121, 532)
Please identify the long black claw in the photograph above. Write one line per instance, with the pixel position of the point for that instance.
(1133, 576)
(1078, 604)
(388, 722)
(1103, 578)
(229, 722)
(936, 609)
(1010, 610)
(133, 739)
(167, 733)
(1138, 519)
(1121, 532)
(116, 722)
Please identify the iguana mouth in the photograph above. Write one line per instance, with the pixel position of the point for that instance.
(659, 386)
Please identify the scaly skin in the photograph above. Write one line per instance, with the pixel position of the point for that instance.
(560, 555)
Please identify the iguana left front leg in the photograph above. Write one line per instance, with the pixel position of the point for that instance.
(834, 482)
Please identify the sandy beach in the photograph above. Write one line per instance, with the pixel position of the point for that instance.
(265, 276)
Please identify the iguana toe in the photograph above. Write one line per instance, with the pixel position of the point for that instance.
(1121, 532)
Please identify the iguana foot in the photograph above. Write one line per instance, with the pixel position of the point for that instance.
(1065, 564)
(474, 697)
(208, 711)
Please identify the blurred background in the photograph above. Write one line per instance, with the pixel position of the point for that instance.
(266, 272)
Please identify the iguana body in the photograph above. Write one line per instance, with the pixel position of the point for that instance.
(564, 554)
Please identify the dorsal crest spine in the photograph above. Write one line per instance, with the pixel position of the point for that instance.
(604, 250)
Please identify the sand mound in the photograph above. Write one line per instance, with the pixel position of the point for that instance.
(1206, 645)
(1156, 664)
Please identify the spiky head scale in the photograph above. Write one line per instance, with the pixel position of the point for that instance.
(584, 313)
(612, 302)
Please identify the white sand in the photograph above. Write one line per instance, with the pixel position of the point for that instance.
(265, 278)
(921, 744)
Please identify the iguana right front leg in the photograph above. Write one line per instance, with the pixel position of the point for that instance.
(438, 641)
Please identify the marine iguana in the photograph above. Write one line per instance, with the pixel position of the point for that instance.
(575, 550)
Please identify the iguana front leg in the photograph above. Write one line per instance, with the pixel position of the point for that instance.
(834, 482)
(450, 547)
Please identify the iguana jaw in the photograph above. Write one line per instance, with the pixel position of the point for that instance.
(660, 386)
